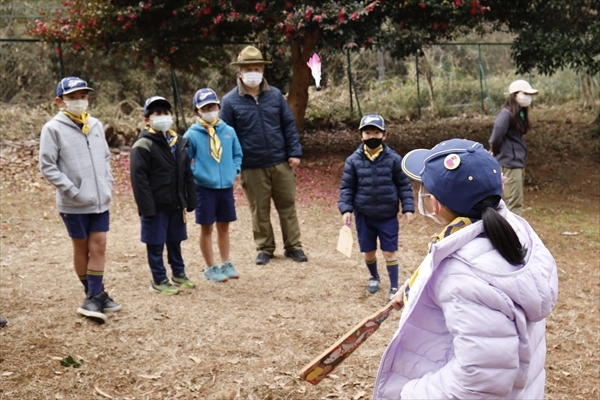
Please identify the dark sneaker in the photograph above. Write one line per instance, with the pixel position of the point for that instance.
(263, 258)
(373, 286)
(3, 322)
(164, 287)
(393, 291)
(93, 307)
(110, 305)
(183, 282)
(296, 255)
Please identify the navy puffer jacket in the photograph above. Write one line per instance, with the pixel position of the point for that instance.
(265, 127)
(374, 188)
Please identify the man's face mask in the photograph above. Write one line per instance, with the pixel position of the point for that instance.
(252, 79)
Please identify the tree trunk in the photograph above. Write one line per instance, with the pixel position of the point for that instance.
(301, 77)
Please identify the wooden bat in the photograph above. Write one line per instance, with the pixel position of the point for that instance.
(320, 367)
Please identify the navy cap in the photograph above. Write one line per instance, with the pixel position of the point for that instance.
(372, 120)
(71, 84)
(458, 172)
(156, 101)
(203, 97)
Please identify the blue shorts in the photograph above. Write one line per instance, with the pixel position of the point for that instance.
(214, 205)
(165, 226)
(79, 226)
(369, 229)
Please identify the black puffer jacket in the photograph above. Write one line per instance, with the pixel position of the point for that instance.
(374, 188)
(265, 127)
(159, 182)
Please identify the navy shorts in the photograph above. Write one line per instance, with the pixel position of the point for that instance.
(369, 229)
(165, 226)
(79, 226)
(214, 205)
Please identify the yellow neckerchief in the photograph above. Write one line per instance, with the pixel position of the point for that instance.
(81, 120)
(171, 132)
(457, 224)
(216, 150)
(373, 156)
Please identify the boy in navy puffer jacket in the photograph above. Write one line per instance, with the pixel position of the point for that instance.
(372, 186)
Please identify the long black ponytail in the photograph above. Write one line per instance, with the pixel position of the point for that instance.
(500, 232)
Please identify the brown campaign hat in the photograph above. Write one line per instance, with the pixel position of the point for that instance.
(250, 55)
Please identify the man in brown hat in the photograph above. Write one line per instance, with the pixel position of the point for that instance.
(267, 132)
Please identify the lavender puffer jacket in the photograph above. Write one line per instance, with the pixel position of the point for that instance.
(474, 326)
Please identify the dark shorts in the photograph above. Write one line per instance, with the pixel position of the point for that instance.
(79, 226)
(165, 226)
(214, 205)
(369, 229)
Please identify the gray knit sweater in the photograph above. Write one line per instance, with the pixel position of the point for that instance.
(77, 165)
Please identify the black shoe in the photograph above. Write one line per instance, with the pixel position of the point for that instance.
(3, 322)
(263, 258)
(93, 307)
(296, 255)
(110, 305)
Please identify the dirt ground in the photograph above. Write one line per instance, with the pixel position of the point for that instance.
(248, 338)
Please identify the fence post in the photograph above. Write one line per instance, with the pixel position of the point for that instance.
(177, 96)
(349, 80)
(418, 89)
(480, 77)
(61, 61)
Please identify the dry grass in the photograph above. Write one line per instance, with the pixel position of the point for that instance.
(246, 339)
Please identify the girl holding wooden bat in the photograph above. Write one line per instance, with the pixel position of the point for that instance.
(473, 325)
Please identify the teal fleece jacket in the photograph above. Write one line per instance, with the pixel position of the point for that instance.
(207, 171)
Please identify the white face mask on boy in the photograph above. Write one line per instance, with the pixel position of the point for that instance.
(76, 107)
(523, 99)
(162, 123)
(209, 116)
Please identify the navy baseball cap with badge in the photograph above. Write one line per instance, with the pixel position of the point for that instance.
(458, 172)
(203, 97)
(71, 84)
(372, 120)
(156, 101)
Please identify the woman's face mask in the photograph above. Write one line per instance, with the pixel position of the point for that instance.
(523, 99)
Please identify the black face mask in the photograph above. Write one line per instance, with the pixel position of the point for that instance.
(373, 143)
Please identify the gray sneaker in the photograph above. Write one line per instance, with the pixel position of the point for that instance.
(373, 286)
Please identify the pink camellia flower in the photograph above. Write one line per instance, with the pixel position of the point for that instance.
(206, 10)
(354, 16)
(458, 3)
(234, 14)
(422, 5)
(317, 18)
(259, 7)
(77, 46)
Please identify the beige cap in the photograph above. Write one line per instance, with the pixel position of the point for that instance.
(521, 86)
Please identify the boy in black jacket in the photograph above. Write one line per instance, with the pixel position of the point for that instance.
(163, 187)
(372, 186)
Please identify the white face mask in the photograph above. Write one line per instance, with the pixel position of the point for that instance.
(523, 99)
(162, 123)
(209, 116)
(431, 216)
(252, 79)
(76, 107)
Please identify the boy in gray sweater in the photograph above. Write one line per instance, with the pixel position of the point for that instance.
(75, 158)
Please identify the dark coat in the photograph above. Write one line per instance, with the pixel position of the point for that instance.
(507, 144)
(265, 127)
(375, 188)
(159, 181)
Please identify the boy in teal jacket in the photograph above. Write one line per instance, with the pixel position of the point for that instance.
(216, 157)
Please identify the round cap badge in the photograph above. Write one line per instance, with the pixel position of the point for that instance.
(452, 161)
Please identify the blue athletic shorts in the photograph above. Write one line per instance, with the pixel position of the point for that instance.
(214, 205)
(369, 229)
(165, 226)
(79, 226)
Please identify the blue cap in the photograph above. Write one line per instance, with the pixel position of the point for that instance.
(71, 84)
(458, 172)
(203, 97)
(372, 120)
(156, 101)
